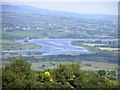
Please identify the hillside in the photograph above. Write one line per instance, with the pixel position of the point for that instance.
(34, 10)
(60, 63)
(54, 24)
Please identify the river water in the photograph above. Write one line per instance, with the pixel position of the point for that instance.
(52, 46)
(56, 46)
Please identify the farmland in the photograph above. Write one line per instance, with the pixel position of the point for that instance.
(52, 49)
(12, 45)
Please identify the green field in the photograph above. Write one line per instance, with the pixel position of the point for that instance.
(85, 65)
(98, 65)
(12, 45)
(33, 34)
(22, 34)
(93, 44)
(101, 46)
(109, 49)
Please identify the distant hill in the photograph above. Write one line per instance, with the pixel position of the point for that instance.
(33, 10)
(23, 9)
(43, 23)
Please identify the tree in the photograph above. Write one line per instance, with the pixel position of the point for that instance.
(18, 74)
(102, 72)
(112, 73)
(17, 71)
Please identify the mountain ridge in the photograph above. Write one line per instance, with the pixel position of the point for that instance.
(34, 10)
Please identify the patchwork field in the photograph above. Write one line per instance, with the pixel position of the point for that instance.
(99, 65)
(109, 49)
(85, 65)
(12, 45)
(93, 44)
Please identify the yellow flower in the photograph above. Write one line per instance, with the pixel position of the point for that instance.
(51, 80)
(47, 74)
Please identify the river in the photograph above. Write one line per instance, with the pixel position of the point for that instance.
(55, 46)
(52, 46)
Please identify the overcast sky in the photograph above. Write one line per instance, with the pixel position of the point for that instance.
(110, 8)
(60, 0)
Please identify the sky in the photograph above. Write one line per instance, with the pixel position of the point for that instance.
(60, 0)
(91, 7)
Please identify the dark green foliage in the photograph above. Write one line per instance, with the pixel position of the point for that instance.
(112, 73)
(102, 72)
(18, 74)
(70, 76)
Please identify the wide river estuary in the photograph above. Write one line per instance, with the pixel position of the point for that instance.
(55, 46)
(52, 46)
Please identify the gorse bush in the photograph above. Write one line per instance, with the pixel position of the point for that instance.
(18, 74)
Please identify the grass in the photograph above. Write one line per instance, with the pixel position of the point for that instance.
(38, 65)
(109, 49)
(99, 65)
(93, 44)
(94, 65)
(32, 34)
(12, 45)
(23, 34)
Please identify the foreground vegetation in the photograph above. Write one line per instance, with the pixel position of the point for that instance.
(18, 74)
